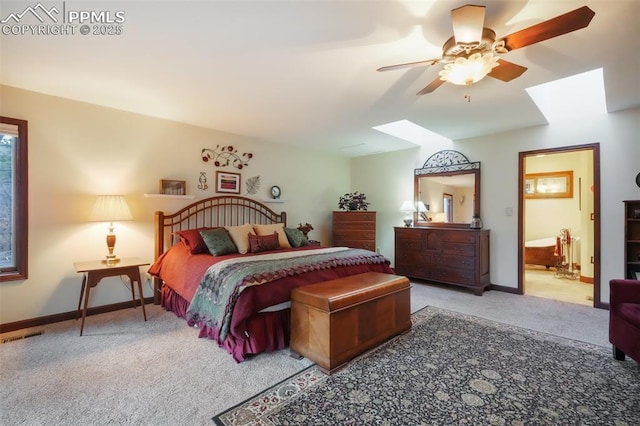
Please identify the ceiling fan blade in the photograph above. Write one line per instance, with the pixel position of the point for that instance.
(409, 65)
(468, 22)
(431, 87)
(563, 24)
(507, 71)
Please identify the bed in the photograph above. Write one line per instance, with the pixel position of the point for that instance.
(242, 300)
(541, 252)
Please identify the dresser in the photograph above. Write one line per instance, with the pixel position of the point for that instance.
(457, 256)
(355, 229)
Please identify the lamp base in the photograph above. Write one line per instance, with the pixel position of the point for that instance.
(407, 222)
(111, 259)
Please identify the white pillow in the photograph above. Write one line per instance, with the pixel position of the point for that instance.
(240, 236)
(269, 229)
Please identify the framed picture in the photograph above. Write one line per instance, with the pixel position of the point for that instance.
(549, 185)
(173, 187)
(227, 182)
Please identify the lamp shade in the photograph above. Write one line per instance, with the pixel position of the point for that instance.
(110, 208)
(422, 207)
(466, 71)
(407, 207)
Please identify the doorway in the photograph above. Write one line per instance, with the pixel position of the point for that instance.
(559, 224)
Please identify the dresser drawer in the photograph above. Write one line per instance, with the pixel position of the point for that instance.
(408, 234)
(408, 246)
(411, 256)
(460, 237)
(456, 249)
(455, 262)
(412, 268)
(354, 217)
(354, 235)
(458, 276)
(337, 226)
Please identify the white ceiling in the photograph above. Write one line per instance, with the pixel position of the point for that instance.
(303, 72)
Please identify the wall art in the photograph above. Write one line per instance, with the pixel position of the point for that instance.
(253, 184)
(203, 181)
(227, 182)
(223, 156)
(173, 187)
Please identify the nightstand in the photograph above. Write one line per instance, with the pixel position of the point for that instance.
(96, 270)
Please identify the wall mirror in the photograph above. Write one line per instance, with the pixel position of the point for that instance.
(448, 185)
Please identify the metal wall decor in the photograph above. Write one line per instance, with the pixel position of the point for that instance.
(224, 156)
(253, 184)
(447, 161)
(203, 181)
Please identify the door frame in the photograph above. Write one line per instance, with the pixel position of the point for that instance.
(595, 148)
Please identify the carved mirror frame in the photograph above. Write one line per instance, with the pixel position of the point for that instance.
(447, 163)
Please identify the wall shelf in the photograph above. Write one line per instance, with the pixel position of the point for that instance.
(183, 197)
(273, 200)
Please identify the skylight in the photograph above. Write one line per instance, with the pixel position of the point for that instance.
(578, 96)
(408, 131)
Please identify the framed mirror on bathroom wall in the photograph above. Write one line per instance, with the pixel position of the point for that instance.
(449, 187)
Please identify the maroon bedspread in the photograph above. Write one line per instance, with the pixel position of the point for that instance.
(250, 332)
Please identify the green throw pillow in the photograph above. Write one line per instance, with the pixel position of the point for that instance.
(218, 241)
(296, 237)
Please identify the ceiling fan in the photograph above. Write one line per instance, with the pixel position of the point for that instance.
(472, 52)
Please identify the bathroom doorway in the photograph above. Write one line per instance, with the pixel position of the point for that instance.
(559, 224)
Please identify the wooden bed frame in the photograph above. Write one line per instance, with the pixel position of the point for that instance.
(226, 210)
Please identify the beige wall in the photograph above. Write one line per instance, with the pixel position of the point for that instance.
(390, 178)
(79, 150)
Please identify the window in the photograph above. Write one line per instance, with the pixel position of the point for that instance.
(13, 199)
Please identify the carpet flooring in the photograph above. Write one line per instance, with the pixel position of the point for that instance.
(453, 368)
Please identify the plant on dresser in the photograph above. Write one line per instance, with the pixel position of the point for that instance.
(355, 229)
(457, 256)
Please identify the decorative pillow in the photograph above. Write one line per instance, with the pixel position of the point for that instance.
(239, 235)
(260, 243)
(193, 240)
(296, 237)
(218, 241)
(269, 229)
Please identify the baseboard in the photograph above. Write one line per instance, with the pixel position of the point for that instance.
(50, 319)
(588, 280)
(512, 290)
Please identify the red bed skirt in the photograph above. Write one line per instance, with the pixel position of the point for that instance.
(268, 331)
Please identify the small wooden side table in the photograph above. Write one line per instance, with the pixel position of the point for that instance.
(96, 270)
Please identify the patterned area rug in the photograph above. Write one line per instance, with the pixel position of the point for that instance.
(452, 368)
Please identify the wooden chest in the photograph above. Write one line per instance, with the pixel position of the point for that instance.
(334, 321)
(355, 229)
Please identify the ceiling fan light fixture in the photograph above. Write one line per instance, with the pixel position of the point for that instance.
(465, 71)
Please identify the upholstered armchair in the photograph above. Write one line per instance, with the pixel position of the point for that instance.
(624, 318)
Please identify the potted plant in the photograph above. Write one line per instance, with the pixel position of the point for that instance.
(353, 201)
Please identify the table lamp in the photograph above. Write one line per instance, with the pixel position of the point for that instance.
(408, 208)
(422, 211)
(110, 208)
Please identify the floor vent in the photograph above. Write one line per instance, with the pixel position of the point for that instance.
(21, 336)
